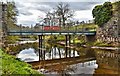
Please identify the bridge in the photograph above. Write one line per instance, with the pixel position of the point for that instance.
(51, 32)
(90, 35)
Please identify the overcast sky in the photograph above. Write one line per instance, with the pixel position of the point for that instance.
(30, 10)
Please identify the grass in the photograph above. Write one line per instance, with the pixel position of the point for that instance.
(102, 44)
(11, 65)
(11, 39)
(90, 27)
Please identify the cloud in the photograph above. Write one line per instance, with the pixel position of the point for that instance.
(25, 19)
(82, 5)
(29, 10)
(24, 12)
(83, 15)
(62, 0)
(43, 7)
(19, 4)
(73, 5)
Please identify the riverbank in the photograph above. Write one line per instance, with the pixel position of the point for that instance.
(11, 65)
(106, 48)
(93, 47)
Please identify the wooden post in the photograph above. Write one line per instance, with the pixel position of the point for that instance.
(74, 48)
(44, 54)
(69, 40)
(44, 47)
(69, 45)
(66, 48)
(39, 36)
(59, 53)
(41, 47)
(74, 52)
(55, 51)
(52, 52)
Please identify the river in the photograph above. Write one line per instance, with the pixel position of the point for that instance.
(60, 60)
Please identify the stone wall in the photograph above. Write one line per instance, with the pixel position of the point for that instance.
(3, 32)
(110, 31)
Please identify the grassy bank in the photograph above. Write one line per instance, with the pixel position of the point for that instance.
(80, 41)
(90, 27)
(11, 65)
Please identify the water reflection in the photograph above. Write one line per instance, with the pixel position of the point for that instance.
(31, 54)
(63, 69)
(61, 60)
(78, 68)
(66, 61)
(108, 62)
(56, 53)
(28, 55)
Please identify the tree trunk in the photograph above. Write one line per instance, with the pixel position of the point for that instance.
(63, 21)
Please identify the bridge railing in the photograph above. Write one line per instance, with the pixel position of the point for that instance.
(62, 29)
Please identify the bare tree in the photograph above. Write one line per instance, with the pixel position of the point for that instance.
(50, 18)
(63, 12)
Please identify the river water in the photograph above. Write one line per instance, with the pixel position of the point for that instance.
(59, 60)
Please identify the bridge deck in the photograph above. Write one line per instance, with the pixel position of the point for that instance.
(50, 32)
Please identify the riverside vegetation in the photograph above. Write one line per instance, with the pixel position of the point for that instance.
(12, 65)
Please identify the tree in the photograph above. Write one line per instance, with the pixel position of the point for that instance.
(11, 14)
(63, 12)
(50, 17)
(102, 13)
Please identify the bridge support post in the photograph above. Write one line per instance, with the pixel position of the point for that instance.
(66, 45)
(39, 36)
(44, 54)
(59, 53)
(43, 47)
(40, 46)
(69, 40)
(74, 45)
(69, 45)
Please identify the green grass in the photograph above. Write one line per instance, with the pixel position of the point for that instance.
(11, 39)
(102, 44)
(11, 65)
(60, 38)
(90, 27)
